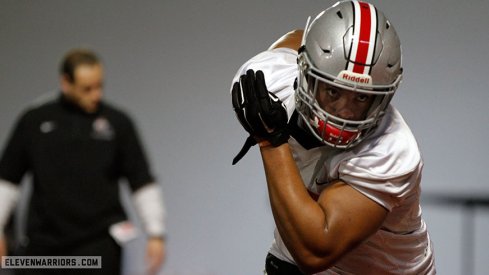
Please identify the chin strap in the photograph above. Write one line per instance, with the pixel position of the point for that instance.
(250, 142)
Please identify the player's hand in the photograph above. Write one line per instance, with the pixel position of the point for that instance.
(155, 255)
(260, 112)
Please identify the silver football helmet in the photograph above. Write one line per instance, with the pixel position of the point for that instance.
(350, 46)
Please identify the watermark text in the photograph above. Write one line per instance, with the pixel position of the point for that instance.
(48, 262)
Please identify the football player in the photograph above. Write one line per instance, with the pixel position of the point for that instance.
(343, 169)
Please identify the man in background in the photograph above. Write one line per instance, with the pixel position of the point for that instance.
(77, 148)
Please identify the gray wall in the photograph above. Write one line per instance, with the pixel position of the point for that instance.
(170, 63)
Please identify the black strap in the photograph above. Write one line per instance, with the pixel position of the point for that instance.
(303, 136)
(250, 141)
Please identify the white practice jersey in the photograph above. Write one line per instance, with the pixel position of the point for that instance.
(386, 167)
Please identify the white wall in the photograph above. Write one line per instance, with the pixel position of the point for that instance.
(170, 64)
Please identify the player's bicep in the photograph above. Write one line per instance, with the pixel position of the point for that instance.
(351, 216)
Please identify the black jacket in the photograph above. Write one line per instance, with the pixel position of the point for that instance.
(76, 161)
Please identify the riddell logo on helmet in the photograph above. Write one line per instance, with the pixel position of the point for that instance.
(355, 78)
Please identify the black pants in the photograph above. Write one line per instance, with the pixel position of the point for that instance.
(104, 246)
(275, 266)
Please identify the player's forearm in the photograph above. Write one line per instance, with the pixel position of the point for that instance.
(299, 219)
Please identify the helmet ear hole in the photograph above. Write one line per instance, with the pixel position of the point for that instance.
(326, 51)
(340, 15)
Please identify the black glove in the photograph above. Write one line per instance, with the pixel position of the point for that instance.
(260, 112)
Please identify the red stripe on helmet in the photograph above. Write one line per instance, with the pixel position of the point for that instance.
(364, 38)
